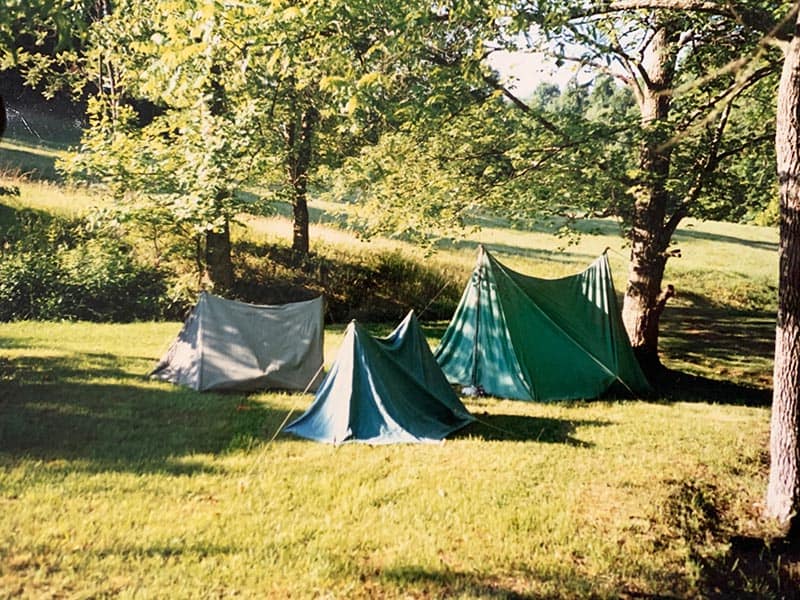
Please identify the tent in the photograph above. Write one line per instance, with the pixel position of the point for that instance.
(527, 338)
(230, 345)
(383, 391)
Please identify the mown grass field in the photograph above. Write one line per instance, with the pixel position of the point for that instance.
(112, 485)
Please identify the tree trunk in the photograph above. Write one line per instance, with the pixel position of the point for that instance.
(3, 117)
(300, 143)
(218, 261)
(644, 299)
(783, 490)
(219, 266)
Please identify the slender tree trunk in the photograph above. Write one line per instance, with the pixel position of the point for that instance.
(783, 490)
(3, 117)
(300, 142)
(218, 262)
(644, 300)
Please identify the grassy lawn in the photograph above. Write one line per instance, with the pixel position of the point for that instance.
(112, 485)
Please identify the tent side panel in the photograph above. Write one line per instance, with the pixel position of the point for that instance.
(253, 347)
(477, 348)
(375, 385)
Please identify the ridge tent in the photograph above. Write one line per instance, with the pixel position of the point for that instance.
(383, 391)
(529, 338)
(231, 345)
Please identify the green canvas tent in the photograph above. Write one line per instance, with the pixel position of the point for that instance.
(230, 345)
(383, 391)
(527, 338)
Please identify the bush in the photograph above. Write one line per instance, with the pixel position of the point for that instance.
(28, 287)
(103, 283)
(378, 286)
(55, 269)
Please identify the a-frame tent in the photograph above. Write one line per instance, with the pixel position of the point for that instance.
(230, 345)
(528, 338)
(383, 391)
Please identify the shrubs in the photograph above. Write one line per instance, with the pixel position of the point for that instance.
(375, 286)
(54, 268)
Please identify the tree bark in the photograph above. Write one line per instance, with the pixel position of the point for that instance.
(649, 236)
(300, 141)
(783, 489)
(218, 262)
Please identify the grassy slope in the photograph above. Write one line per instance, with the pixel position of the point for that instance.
(112, 485)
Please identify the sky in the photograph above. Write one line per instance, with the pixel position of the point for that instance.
(523, 71)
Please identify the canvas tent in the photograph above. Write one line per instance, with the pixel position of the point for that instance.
(230, 345)
(383, 391)
(527, 338)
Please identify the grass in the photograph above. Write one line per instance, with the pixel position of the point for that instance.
(112, 485)
(35, 162)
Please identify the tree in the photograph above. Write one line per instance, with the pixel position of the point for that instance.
(691, 66)
(783, 491)
(245, 95)
(40, 39)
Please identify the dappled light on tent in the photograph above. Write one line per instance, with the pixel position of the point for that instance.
(527, 338)
(230, 345)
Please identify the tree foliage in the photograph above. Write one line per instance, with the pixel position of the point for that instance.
(702, 78)
(255, 96)
(43, 40)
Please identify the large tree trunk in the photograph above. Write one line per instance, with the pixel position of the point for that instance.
(644, 300)
(300, 141)
(218, 262)
(783, 491)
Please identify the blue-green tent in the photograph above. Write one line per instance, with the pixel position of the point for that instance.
(528, 338)
(383, 391)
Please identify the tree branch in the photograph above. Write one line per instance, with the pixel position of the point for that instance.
(756, 18)
(549, 126)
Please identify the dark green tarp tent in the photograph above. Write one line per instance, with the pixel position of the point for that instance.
(383, 391)
(528, 338)
(230, 345)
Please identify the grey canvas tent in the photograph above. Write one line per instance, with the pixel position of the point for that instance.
(383, 391)
(528, 338)
(230, 345)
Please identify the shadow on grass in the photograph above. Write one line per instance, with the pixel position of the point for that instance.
(677, 386)
(448, 583)
(718, 334)
(755, 568)
(740, 345)
(685, 233)
(86, 408)
(502, 428)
